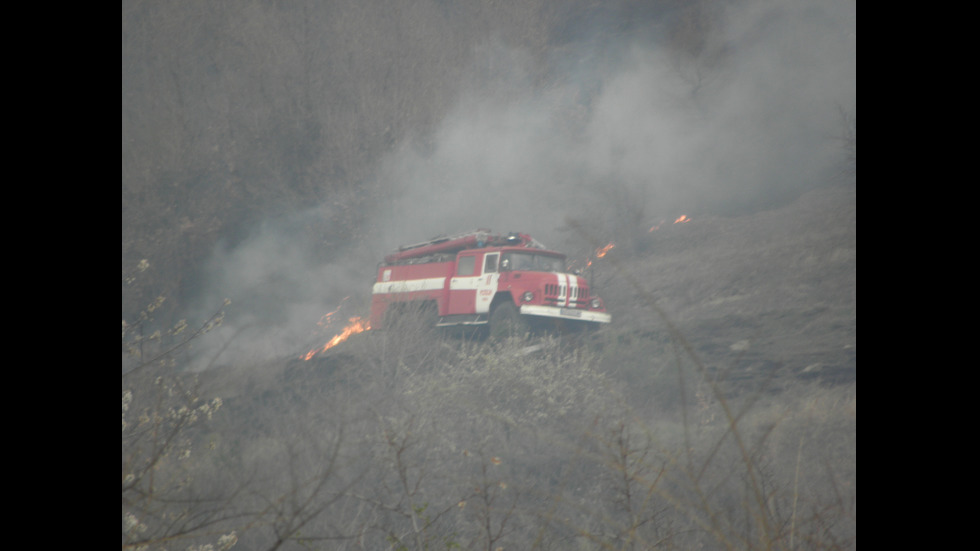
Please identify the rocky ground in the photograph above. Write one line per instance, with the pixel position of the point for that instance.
(772, 293)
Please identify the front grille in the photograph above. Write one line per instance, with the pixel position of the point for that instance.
(553, 293)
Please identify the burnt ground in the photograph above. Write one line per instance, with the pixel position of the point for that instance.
(769, 295)
(764, 300)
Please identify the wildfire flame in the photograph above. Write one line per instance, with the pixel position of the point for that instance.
(599, 253)
(602, 252)
(683, 218)
(356, 325)
(327, 318)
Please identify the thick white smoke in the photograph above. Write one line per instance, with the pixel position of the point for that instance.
(636, 126)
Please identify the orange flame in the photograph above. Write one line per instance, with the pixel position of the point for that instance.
(680, 220)
(326, 319)
(356, 325)
(602, 252)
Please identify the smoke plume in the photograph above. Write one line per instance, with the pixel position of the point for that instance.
(620, 119)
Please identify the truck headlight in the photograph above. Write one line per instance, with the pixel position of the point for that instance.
(528, 296)
(595, 302)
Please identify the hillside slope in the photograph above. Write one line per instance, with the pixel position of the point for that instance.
(772, 292)
(767, 302)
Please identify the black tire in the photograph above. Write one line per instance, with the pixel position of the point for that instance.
(506, 321)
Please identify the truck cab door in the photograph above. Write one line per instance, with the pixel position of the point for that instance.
(472, 288)
(487, 285)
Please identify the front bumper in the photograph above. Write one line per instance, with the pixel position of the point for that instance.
(565, 313)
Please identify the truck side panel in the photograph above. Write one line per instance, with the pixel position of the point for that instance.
(409, 283)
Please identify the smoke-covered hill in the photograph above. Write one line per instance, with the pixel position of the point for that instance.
(719, 407)
(274, 151)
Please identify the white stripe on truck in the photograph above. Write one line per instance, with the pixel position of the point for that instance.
(409, 285)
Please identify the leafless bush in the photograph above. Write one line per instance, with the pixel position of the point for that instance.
(163, 451)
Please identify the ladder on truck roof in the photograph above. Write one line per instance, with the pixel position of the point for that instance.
(445, 239)
(455, 243)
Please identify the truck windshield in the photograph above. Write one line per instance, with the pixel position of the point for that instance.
(532, 262)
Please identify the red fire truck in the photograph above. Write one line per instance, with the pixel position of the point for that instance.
(509, 284)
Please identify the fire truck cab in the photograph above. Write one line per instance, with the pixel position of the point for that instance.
(509, 283)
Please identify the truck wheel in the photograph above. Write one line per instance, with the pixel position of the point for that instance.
(506, 321)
